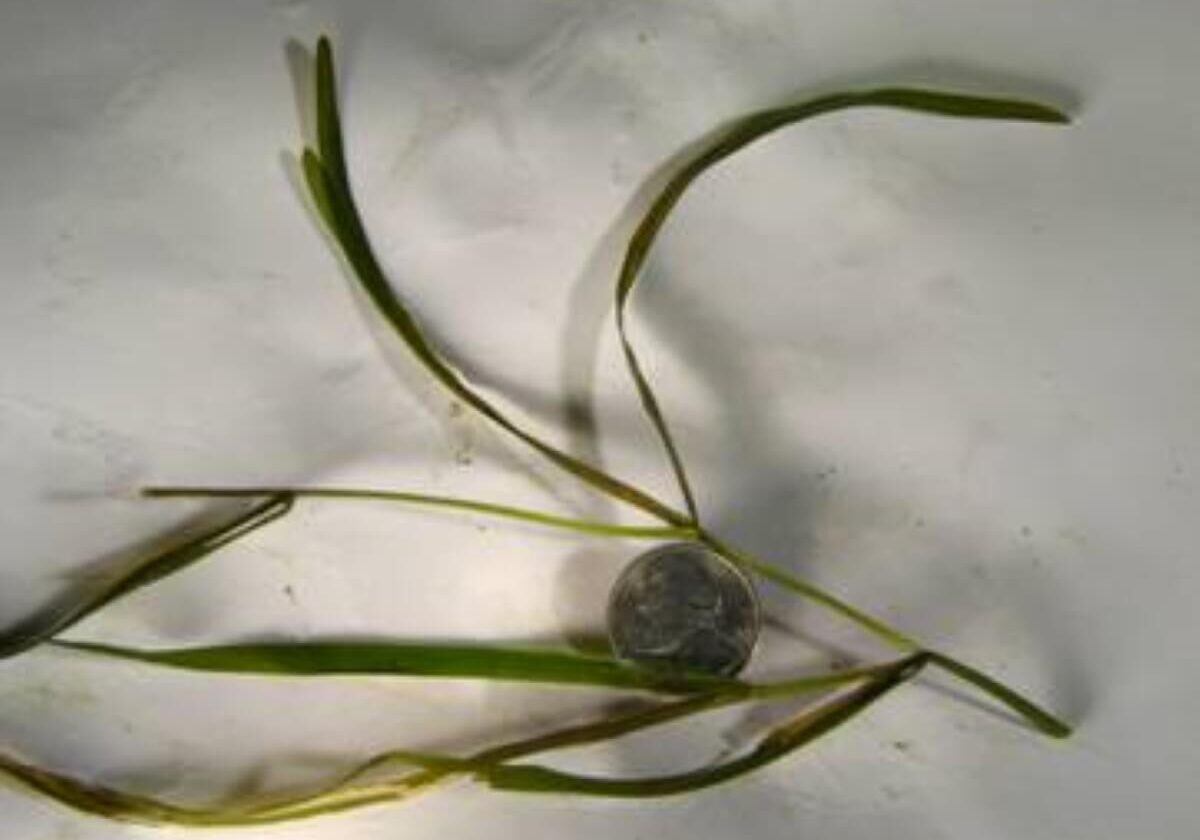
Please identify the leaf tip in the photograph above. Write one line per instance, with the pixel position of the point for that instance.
(1055, 728)
(1053, 115)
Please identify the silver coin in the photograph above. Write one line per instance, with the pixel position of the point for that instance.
(683, 607)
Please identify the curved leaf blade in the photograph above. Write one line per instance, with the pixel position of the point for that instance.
(742, 133)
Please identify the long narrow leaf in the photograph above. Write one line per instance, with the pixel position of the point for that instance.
(455, 661)
(1037, 717)
(325, 172)
(78, 605)
(742, 133)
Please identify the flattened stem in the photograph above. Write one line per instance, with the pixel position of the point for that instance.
(534, 517)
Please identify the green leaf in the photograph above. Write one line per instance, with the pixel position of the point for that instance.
(746, 130)
(329, 121)
(78, 605)
(456, 661)
(1037, 717)
(737, 136)
(783, 740)
(332, 193)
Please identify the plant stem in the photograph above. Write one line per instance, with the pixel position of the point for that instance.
(582, 526)
(779, 577)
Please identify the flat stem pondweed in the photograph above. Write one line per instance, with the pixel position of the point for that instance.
(399, 774)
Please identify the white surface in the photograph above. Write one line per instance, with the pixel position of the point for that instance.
(951, 370)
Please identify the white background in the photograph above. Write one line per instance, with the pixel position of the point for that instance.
(950, 370)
